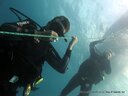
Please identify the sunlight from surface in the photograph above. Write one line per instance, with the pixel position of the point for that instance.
(94, 15)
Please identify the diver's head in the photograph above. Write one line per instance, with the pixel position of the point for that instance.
(59, 24)
(107, 54)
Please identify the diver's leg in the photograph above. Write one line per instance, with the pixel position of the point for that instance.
(85, 89)
(73, 83)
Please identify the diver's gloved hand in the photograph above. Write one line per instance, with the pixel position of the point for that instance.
(73, 42)
(54, 36)
(48, 36)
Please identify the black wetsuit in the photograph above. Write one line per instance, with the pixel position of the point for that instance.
(27, 56)
(90, 72)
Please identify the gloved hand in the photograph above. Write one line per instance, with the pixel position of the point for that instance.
(48, 36)
(54, 36)
(73, 42)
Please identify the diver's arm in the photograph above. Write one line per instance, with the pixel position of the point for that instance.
(58, 63)
(92, 47)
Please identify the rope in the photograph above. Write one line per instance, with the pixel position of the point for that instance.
(30, 35)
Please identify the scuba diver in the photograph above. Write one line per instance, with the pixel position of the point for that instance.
(28, 54)
(90, 72)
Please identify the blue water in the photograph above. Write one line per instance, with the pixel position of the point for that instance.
(90, 19)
